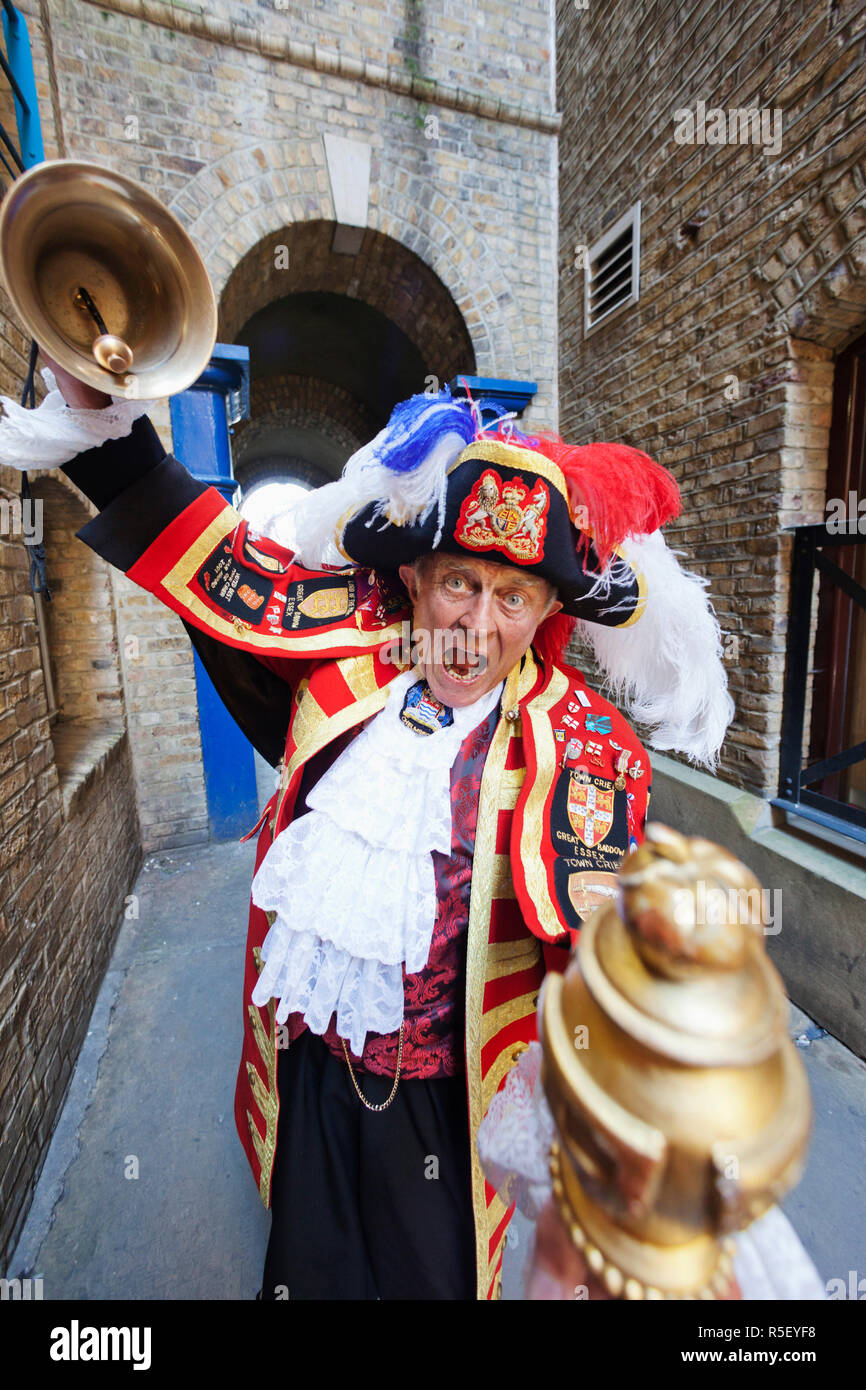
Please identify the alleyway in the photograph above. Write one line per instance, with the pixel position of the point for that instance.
(155, 1081)
(153, 1090)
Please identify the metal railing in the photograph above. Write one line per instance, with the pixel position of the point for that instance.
(796, 782)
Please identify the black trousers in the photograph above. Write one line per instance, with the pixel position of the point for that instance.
(367, 1204)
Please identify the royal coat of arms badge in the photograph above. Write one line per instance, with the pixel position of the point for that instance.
(508, 516)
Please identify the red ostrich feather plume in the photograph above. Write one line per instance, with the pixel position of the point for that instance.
(614, 490)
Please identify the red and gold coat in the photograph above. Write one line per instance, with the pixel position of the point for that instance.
(564, 791)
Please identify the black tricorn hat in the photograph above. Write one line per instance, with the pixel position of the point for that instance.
(509, 503)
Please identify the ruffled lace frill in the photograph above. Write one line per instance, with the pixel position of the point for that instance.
(352, 881)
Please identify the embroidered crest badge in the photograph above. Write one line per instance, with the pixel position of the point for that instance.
(590, 808)
(422, 712)
(588, 890)
(310, 602)
(248, 595)
(508, 516)
(327, 603)
(233, 590)
(260, 557)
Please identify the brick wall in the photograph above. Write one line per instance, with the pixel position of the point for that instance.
(753, 275)
(162, 716)
(309, 401)
(69, 839)
(230, 134)
(80, 616)
(64, 878)
(498, 49)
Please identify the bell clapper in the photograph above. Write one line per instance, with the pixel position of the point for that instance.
(110, 351)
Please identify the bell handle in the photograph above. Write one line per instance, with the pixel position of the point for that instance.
(75, 392)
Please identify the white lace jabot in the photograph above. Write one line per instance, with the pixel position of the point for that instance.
(352, 882)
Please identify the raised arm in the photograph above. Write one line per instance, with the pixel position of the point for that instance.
(251, 612)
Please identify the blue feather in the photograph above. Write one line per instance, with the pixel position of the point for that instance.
(417, 424)
(409, 437)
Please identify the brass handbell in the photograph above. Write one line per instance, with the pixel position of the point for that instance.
(106, 279)
(681, 1105)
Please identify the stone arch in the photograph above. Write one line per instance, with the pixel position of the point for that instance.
(339, 337)
(251, 195)
(384, 276)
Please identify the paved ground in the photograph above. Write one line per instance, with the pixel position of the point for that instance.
(155, 1083)
(153, 1091)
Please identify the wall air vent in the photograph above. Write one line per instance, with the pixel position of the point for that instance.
(612, 280)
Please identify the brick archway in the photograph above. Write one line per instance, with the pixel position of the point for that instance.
(253, 197)
(384, 276)
(303, 402)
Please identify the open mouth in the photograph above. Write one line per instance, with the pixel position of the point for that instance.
(463, 664)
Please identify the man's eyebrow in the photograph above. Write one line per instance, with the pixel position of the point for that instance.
(516, 580)
(455, 567)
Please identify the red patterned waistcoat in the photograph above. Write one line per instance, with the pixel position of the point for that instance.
(563, 795)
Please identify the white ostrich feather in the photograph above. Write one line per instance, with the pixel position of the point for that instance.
(666, 667)
(401, 498)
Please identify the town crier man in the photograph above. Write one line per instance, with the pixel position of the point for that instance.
(453, 801)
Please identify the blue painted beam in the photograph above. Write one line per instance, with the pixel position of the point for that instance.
(200, 421)
(201, 416)
(229, 767)
(508, 395)
(20, 60)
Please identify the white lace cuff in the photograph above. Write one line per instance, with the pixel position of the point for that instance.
(515, 1136)
(54, 432)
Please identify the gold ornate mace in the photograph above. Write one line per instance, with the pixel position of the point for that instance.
(681, 1105)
